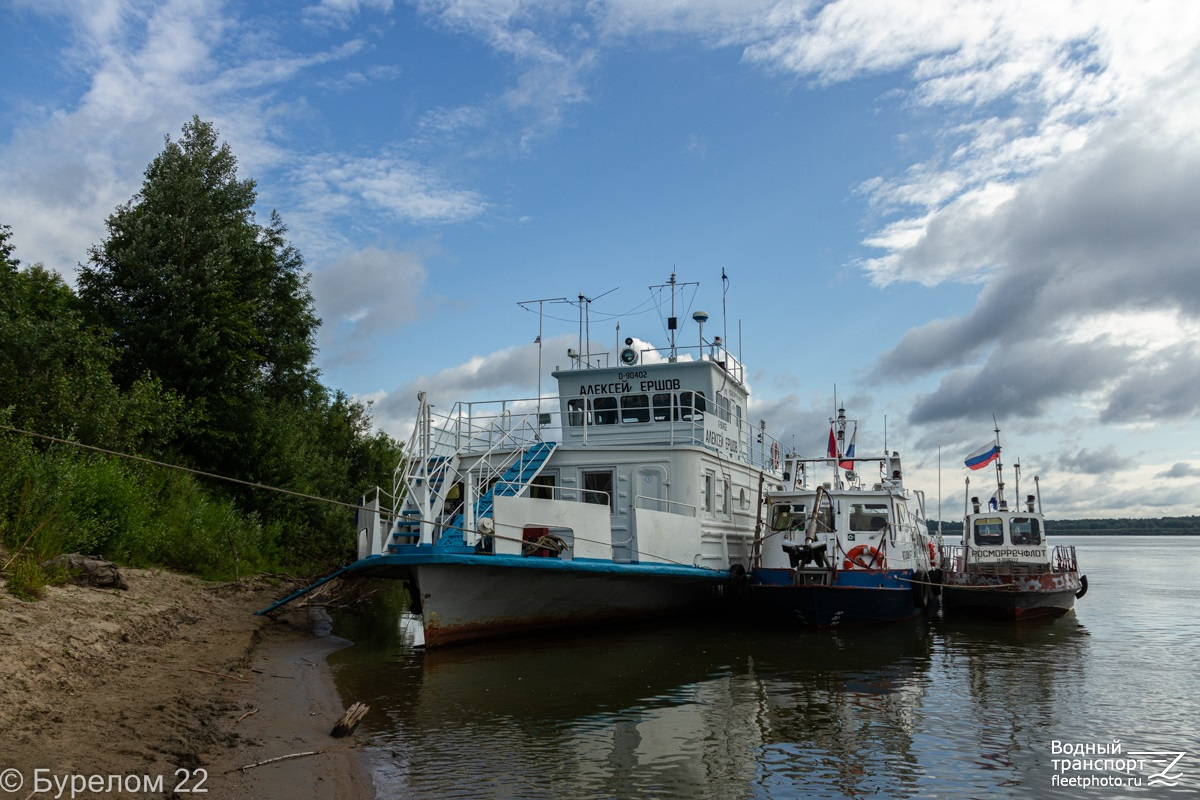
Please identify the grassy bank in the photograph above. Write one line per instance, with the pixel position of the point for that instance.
(58, 499)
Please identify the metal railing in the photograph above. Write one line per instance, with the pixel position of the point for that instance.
(1063, 559)
(670, 504)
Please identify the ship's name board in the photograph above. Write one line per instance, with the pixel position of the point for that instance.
(718, 436)
(626, 387)
(998, 553)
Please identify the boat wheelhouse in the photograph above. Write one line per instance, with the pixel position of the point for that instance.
(634, 494)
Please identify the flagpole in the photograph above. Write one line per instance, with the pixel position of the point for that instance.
(939, 498)
(539, 341)
(1001, 504)
(540, 303)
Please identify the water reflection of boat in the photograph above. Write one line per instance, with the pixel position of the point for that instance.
(634, 497)
(1005, 565)
(1016, 685)
(664, 711)
(844, 552)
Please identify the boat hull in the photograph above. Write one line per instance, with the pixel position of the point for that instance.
(467, 598)
(853, 598)
(1011, 596)
(466, 604)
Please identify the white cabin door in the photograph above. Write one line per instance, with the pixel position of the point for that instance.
(650, 481)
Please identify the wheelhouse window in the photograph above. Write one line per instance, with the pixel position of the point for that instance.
(577, 411)
(661, 409)
(989, 531)
(1025, 530)
(795, 517)
(691, 404)
(605, 409)
(868, 516)
(786, 518)
(722, 404)
(635, 408)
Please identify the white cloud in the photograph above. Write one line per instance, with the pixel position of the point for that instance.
(1064, 178)
(1180, 469)
(148, 69)
(716, 22)
(549, 46)
(508, 373)
(367, 293)
(337, 13)
(331, 183)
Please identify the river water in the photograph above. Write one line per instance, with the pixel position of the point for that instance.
(942, 707)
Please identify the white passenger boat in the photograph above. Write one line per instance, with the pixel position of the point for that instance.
(633, 494)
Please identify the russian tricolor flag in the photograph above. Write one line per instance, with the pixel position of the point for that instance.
(848, 463)
(983, 456)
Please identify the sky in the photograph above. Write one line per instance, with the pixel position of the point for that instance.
(936, 212)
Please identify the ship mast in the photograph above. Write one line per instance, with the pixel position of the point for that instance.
(1001, 503)
(673, 321)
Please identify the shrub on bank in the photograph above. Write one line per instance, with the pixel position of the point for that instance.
(60, 500)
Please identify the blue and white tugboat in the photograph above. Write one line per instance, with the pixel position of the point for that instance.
(1005, 567)
(847, 551)
(633, 494)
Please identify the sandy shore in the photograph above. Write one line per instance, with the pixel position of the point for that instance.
(103, 682)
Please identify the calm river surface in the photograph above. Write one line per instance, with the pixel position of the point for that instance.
(942, 708)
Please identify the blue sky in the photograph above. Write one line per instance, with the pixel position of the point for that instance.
(947, 210)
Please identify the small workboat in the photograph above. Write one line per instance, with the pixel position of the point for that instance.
(843, 552)
(1005, 566)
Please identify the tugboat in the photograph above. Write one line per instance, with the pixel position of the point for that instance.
(633, 494)
(843, 552)
(1005, 566)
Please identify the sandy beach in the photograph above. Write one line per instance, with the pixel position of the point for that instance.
(172, 678)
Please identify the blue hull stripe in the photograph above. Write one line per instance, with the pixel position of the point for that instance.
(429, 555)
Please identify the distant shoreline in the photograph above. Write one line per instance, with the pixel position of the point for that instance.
(1055, 533)
(1107, 526)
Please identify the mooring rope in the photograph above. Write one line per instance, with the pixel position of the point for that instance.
(188, 470)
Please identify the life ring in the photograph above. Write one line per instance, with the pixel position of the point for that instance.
(933, 559)
(775, 455)
(864, 556)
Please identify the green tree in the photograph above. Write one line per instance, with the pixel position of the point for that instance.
(55, 370)
(201, 296)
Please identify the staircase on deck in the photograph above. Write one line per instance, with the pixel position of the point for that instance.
(431, 477)
(512, 482)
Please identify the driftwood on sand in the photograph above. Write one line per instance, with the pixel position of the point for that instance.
(349, 721)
